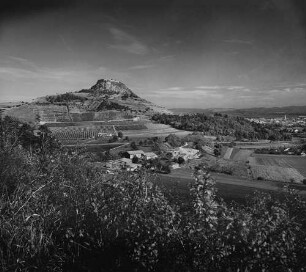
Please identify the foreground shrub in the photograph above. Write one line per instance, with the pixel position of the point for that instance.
(58, 213)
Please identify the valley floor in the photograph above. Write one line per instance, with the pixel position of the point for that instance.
(230, 188)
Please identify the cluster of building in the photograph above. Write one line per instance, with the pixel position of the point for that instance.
(287, 122)
(132, 160)
(127, 161)
(185, 153)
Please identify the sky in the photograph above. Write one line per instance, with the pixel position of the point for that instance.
(175, 53)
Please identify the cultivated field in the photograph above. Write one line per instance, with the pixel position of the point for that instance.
(101, 130)
(276, 173)
(265, 145)
(240, 154)
(244, 163)
(285, 161)
(155, 130)
(80, 133)
(228, 153)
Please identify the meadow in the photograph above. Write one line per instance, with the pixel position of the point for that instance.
(229, 188)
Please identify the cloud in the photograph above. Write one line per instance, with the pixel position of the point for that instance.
(66, 45)
(140, 67)
(18, 61)
(224, 88)
(56, 76)
(172, 89)
(237, 41)
(210, 87)
(166, 58)
(127, 42)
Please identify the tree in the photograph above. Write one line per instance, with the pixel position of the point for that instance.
(217, 152)
(272, 138)
(120, 134)
(180, 160)
(133, 145)
(135, 159)
(113, 139)
(173, 140)
(156, 147)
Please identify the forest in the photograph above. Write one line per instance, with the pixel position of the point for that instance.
(222, 125)
(59, 213)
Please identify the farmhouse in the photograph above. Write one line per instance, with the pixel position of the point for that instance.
(113, 165)
(104, 134)
(175, 166)
(208, 149)
(36, 132)
(123, 163)
(134, 153)
(128, 165)
(150, 155)
(186, 153)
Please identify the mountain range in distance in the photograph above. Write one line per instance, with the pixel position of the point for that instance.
(271, 112)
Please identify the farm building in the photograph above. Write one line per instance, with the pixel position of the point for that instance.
(123, 163)
(175, 166)
(113, 164)
(140, 154)
(134, 153)
(186, 153)
(208, 149)
(150, 155)
(128, 165)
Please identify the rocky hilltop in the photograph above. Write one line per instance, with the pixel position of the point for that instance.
(110, 87)
(108, 99)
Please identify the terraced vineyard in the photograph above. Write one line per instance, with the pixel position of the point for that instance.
(81, 133)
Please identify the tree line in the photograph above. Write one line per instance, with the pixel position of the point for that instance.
(222, 125)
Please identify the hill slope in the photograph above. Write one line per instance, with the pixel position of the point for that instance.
(106, 100)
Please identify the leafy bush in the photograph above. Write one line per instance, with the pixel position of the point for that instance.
(64, 215)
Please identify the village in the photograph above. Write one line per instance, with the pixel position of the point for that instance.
(294, 125)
